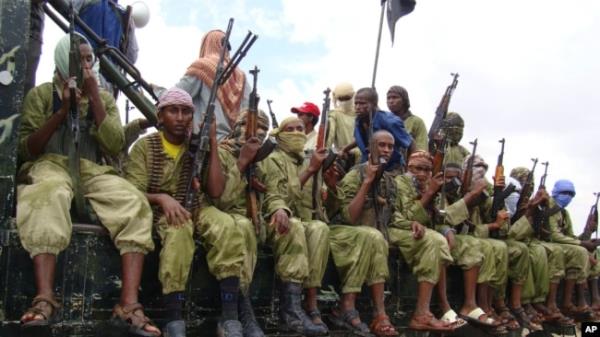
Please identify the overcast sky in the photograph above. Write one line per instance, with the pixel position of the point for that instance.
(529, 70)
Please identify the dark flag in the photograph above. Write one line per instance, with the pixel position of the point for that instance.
(397, 9)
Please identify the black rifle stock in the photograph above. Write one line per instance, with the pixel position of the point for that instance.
(440, 114)
(468, 174)
(526, 193)
(274, 123)
(541, 217)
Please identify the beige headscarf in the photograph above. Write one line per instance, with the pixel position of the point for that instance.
(205, 67)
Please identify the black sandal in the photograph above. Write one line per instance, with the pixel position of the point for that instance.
(344, 320)
(314, 314)
(524, 321)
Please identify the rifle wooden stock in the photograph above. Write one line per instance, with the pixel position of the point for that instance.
(317, 178)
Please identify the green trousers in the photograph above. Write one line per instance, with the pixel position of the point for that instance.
(518, 265)
(301, 254)
(360, 255)
(536, 286)
(43, 205)
(575, 264)
(595, 269)
(229, 242)
(467, 253)
(496, 254)
(425, 256)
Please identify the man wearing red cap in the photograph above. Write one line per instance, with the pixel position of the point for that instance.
(309, 114)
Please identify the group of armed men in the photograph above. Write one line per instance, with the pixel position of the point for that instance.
(383, 190)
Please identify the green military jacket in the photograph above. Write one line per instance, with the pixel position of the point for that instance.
(341, 129)
(455, 154)
(233, 199)
(280, 173)
(350, 185)
(137, 167)
(417, 129)
(561, 226)
(409, 209)
(38, 108)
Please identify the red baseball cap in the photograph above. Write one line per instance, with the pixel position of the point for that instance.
(307, 108)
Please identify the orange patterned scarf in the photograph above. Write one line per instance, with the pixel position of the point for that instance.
(204, 68)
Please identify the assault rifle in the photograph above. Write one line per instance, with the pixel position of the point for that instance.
(541, 216)
(468, 174)
(526, 193)
(321, 135)
(591, 224)
(251, 126)
(274, 123)
(199, 145)
(500, 192)
(374, 191)
(440, 114)
(75, 78)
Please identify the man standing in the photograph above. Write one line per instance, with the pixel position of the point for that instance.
(44, 197)
(301, 247)
(453, 127)
(232, 96)
(308, 113)
(342, 117)
(399, 104)
(365, 103)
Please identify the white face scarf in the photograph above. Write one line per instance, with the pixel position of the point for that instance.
(61, 57)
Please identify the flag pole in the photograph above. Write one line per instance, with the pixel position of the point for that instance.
(378, 44)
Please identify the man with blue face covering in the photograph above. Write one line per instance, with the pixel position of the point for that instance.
(576, 257)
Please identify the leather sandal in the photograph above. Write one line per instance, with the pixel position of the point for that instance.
(382, 327)
(42, 305)
(524, 321)
(133, 315)
(508, 320)
(343, 319)
(428, 322)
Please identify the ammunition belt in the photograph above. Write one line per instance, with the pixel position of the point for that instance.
(155, 165)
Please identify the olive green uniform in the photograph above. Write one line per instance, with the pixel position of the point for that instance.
(542, 265)
(45, 187)
(467, 251)
(511, 256)
(341, 129)
(301, 254)
(416, 128)
(426, 255)
(576, 261)
(222, 237)
(359, 249)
